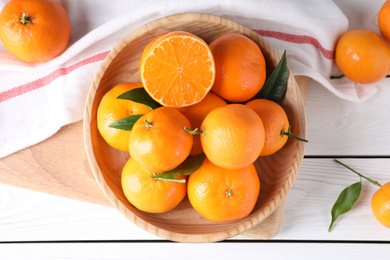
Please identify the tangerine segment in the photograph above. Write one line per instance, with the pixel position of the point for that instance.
(159, 141)
(177, 69)
(148, 194)
(112, 109)
(222, 195)
(380, 204)
(232, 136)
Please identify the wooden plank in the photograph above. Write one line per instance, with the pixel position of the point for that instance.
(343, 128)
(248, 251)
(26, 215)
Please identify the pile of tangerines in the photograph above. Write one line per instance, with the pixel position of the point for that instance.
(193, 126)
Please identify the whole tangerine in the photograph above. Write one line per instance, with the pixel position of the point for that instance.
(111, 109)
(362, 56)
(380, 204)
(34, 30)
(147, 194)
(232, 136)
(384, 21)
(240, 67)
(159, 141)
(222, 195)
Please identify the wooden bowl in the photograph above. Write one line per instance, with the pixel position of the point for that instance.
(183, 224)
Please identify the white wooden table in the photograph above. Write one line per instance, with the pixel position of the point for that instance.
(36, 225)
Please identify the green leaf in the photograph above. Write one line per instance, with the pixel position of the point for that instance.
(125, 123)
(190, 165)
(345, 201)
(276, 84)
(139, 95)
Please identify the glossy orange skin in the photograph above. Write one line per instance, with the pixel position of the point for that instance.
(42, 39)
(177, 69)
(362, 56)
(233, 136)
(112, 109)
(240, 67)
(164, 144)
(380, 204)
(196, 114)
(384, 20)
(275, 121)
(148, 194)
(222, 195)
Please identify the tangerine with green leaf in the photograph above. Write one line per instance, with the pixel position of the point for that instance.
(148, 194)
(111, 110)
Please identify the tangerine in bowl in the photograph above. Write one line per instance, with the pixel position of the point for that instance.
(276, 172)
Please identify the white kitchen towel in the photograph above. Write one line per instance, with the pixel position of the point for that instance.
(39, 98)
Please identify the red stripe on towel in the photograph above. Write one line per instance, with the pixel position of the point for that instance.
(41, 82)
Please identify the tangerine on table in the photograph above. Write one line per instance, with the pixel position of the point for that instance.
(232, 136)
(362, 56)
(380, 204)
(34, 30)
(221, 194)
(148, 194)
(197, 112)
(384, 20)
(158, 140)
(275, 123)
(112, 109)
(240, 67)
(177, 69)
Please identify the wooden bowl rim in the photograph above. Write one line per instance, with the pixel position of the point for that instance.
(178, 236)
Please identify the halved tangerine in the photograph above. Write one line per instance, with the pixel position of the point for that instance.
(177, 69)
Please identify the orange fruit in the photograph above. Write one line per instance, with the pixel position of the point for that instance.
(380, 204)
(232, 136)
(196, 113)
(362, 56)
(240, 67)
(112, 109)
(34, 30)
(275, 121)
(222, 195)
(177, 69)
(148, 194)
(384, 20)
(158, 140)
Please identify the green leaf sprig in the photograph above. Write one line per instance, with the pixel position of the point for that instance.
(138, 95)
(190, 165)
(348, 196)
(276, 84)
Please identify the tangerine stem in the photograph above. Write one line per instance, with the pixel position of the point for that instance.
(288, 133)
(361, 175)
(229, 193)
(24, 19)
(148, 124)
(196, 131)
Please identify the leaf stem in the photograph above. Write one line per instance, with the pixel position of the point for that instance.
(361, 175)
(288, 133)
(196, 131)
(337, 77)
(172, 180)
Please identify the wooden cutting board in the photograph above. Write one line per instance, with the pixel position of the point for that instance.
(59, 166)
